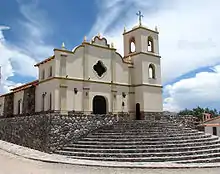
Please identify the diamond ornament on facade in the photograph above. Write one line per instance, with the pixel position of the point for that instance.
(100, 68)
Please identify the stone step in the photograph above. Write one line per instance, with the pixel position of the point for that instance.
(131, 146)
(146, 122)
(148, 149)
(153, 159)
(99, 132)
(142, 130)
(140, 142)
(144, 135)
(145, 125)
(205, 160)
(142, 127)
(135, 132)
(144, 141)
(143, 158)
(151, 123)
(110, 139)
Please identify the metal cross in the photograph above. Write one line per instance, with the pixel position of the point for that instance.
(139, 16)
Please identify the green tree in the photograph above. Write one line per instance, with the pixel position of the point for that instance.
(198, 112)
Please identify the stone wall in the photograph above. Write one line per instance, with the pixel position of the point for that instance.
(47, 132)
(9, 105)
(187, 121)
(29, 101)
(152, 116)
(29, 131)
(64, 129)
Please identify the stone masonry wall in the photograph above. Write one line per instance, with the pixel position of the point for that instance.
(29, 100)
(64, 129)
(47, 132)
(9, 105)
(152, 116)
(29, 131)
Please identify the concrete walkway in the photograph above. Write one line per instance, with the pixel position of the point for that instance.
(23, 163)
(11, 164)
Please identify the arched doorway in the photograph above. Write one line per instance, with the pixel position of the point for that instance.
(99, 105)
(138, 111)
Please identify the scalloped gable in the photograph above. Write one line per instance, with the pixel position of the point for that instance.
(100, 41)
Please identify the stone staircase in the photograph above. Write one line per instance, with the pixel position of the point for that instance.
(144, 141)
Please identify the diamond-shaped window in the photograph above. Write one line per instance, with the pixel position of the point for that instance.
(99, 68)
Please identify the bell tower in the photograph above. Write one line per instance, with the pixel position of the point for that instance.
(141, 46)
(141, 39)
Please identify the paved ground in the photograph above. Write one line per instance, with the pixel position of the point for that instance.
(12, 164)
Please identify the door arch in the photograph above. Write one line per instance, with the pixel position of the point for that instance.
(138, 111)
(99, 105)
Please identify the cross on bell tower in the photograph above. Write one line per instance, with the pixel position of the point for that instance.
(139, 16)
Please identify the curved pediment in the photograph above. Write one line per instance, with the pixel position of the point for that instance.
(98, 40)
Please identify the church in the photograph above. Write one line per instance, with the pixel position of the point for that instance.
(94, 78)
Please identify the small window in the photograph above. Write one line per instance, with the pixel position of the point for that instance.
(132, 45)
(151, 71)
(43, 75)
(150, 46)
(43, 101)
(50, 71)
(50, 101)
(214, 131)
(19, 106)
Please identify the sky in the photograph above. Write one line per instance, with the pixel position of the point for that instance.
(189, 40)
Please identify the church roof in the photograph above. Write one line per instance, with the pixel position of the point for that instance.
(46, 60)
(215, 118)
(22, 87)
(212, 124)
(27, 85)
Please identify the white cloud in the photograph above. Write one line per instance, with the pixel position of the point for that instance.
(20, 58)
(201, 90)
(11, 55)
(189, 39)
(188, 32)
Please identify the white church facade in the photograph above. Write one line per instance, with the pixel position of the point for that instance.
(95, 78)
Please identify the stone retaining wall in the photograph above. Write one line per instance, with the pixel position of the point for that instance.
(152, 116)
(63, 129)
(47, 132)
(29, 131)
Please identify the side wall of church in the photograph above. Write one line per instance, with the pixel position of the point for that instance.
(18, 96)
(28, 104)
(48, 88)
(44, 70)
(2, 98)
(8, 105)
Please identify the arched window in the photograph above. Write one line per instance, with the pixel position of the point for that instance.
(150, 46)
(132, 45)
(151, 71)
(50, 101)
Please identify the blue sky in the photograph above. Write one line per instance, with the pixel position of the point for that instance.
(189, 40)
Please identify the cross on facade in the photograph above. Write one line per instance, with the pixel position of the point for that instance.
(139, 16)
